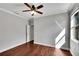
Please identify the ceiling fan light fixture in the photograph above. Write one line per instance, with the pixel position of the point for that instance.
(33, 12)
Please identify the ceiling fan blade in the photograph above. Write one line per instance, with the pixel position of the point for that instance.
(27, 5)
(33, 7)
(39, 12)
(40, 6)
(26, 10)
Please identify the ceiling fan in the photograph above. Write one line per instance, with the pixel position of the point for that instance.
(33, 9)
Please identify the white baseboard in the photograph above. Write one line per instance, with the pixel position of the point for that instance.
(34, 42)
(50, 45)
(11, 47)
(72, 53)
(44, 44)
(65, 48)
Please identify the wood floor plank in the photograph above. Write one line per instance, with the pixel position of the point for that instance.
(35, 50)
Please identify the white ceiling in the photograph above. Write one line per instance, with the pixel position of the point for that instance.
(48, 9)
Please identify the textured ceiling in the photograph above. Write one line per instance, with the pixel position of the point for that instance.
(48, 9)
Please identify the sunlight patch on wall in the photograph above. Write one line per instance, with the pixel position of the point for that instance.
(60, 39)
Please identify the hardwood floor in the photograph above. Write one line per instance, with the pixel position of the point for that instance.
(30, 49)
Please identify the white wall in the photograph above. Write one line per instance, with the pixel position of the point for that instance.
(46, 29)
(12, 31)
